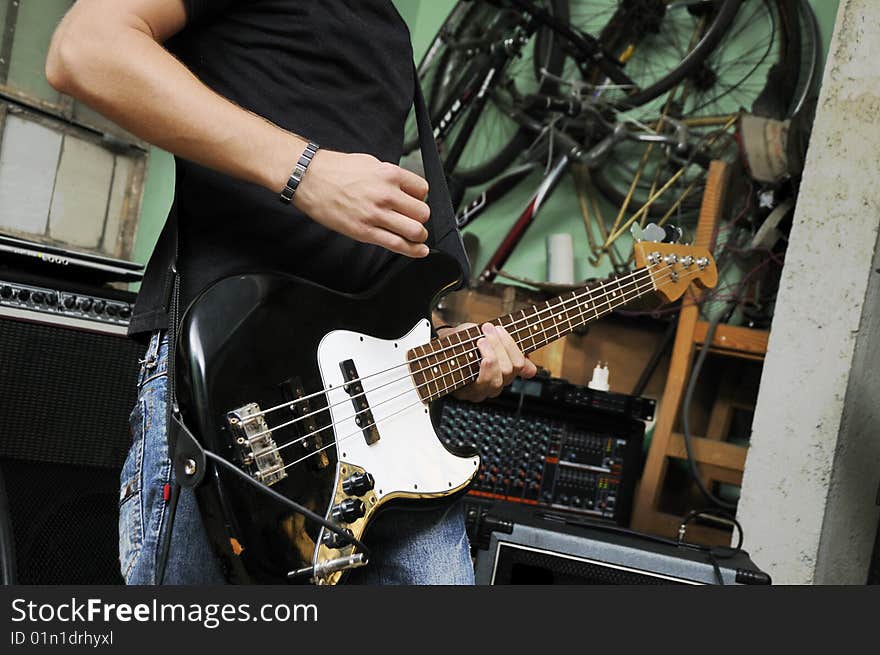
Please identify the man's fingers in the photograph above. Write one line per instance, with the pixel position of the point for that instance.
(529, 370)
(396, 243)
(409, 206)
(413, 184)
(490, 377)
(505, 365)
(402, 226)
(513, 351)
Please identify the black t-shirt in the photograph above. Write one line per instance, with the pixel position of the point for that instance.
(337, 72)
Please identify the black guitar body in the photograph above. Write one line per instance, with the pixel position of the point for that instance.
(252, 339)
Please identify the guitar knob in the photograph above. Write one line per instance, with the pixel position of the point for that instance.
(334, 540)
(348, 511)
(357, 484)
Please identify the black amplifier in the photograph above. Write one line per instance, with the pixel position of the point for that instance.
(529, 545)
(551, 444)
(68, 377)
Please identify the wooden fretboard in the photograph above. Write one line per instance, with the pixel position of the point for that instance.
(451, 362)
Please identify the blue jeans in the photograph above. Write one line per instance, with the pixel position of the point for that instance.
(407, 547)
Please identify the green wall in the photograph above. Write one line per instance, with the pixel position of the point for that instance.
(559, 214)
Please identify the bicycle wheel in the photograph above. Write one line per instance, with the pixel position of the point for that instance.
(644, 40)
(496, 138)
(755, 67)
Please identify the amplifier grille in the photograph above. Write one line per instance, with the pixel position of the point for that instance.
(65, 394)
(517, 565)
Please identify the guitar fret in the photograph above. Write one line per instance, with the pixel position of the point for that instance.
(451, 362)
(620, 292)
(459, 360)
(535, 327)
(430, 370)
(555, 319)
(568, 310)
(442, 360)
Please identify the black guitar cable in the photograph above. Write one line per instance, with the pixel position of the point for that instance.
(232, 468)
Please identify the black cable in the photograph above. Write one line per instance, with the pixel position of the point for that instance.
(685, 419)
(346, 536)
(665, 341)
(7, 543)
(173, 499)
(715, 553)
(724, 516)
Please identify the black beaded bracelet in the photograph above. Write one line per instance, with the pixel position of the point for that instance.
(298, 171)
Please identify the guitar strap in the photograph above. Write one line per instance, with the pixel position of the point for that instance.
(443, 231)
(443, 234)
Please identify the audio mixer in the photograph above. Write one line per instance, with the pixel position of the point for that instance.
(549, 443)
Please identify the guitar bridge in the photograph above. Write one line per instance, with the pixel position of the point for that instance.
(257, 451)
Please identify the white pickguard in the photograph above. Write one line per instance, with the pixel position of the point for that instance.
(408, 457)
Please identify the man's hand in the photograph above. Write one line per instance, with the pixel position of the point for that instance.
(502, 361)
(108, 54)
(367, 200)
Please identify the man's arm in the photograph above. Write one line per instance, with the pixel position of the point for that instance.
(108, 54)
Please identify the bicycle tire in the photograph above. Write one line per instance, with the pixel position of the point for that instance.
(692, 60)
(787, 17)
(503, 155)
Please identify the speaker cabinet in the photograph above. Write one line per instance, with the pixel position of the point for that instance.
(529, 548)
(67, 387)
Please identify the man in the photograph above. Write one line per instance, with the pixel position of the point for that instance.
(249, 77)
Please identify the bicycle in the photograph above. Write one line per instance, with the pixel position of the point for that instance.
(472, 78)
(570, 105)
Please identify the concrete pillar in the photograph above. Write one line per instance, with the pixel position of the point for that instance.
(813, 468)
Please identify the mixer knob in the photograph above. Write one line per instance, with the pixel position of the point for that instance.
(112, 310)
(84, 304)
(99, 306)
(38, 297)
(70, 302)
(24, 294)
(6, 291)
(51, 299)
(124, 311)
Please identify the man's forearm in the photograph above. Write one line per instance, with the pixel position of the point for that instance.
(108, 54)
(117, 66)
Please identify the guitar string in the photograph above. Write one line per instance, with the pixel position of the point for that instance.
(410, 374)
(584, 312)
(586, 292)
(455, 355)
(544, 341)
(602, 299)
(361, 429)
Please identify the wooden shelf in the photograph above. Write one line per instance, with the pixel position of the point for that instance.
(716, 459)
(734, 340)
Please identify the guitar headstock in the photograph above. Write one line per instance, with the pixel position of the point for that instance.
(675, 266)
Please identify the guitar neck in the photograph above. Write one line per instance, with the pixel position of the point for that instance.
(451, 362)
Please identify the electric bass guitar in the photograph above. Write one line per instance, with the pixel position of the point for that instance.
(326, 399)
